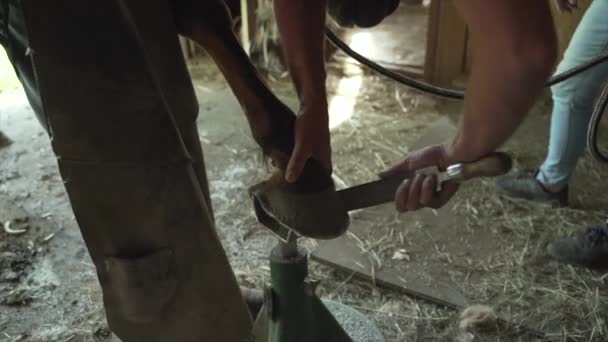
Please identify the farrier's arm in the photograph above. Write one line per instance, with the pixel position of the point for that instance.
(515, 54)
(302, 25)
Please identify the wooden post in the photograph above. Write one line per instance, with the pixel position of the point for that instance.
(248, 23)
(446, 44)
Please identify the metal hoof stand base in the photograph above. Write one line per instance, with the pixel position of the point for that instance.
(293, 313)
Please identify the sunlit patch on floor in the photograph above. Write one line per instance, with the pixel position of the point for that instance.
(342, 103)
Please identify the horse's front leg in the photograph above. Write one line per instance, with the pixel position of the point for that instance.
(208, 23)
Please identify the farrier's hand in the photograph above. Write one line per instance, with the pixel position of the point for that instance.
(312, 140)
(420, 191)
(566, 5)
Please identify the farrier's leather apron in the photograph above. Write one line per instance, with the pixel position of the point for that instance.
(121, 113)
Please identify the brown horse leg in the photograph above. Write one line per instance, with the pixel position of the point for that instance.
(271, 122)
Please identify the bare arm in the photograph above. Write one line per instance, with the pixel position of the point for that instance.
(515, 54)
(302, 27)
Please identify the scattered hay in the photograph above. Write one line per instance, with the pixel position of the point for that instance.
(522, 282)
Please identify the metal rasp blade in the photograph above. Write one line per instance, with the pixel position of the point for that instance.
(370, 194)
(383, 190)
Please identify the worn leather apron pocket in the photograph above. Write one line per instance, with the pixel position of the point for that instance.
(143, 286)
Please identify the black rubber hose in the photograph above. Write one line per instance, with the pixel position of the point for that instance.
(441, 91)
(596, 117)
(577, 70)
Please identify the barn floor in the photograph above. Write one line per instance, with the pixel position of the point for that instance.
(48, 288)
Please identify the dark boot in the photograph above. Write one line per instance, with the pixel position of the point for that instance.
(588, 248)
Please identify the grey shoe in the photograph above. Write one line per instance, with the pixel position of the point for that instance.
(526, 186)
(588, 248)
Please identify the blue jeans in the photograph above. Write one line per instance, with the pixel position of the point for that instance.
(573, 99)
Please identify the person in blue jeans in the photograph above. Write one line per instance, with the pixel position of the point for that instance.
(573, 102)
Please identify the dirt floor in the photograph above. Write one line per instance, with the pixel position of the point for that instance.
(48, 286)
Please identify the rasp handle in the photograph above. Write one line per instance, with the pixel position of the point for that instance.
(494, 164)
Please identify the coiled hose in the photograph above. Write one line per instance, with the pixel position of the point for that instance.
(596, 117)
